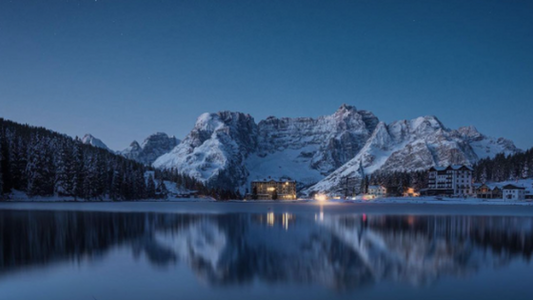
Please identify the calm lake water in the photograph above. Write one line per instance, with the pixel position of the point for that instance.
(264, 251)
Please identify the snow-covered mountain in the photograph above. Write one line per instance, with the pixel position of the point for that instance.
(153, 147)
(415, 145)
(230, 149)
(91, 140)
(216, 149)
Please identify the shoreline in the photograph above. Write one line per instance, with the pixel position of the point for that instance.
(300, 207)
(378, 201)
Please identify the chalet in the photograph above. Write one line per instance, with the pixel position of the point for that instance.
(377, 191)
(273, 190)
(453, 180)
(513, 192)
(486, 191)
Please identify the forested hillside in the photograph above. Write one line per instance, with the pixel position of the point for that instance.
(40, 162)
(502, 167)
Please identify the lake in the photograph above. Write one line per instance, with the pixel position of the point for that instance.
(110, 251)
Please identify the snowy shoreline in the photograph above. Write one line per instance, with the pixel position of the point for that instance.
(378, 201)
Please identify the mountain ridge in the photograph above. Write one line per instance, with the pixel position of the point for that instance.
(152, 147)
(231, 149)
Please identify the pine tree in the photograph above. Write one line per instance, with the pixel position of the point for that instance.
(150, 187)
(90, 178)
(38, 169)
(116, 189)
(525, 171)
(7, 182)
(254, 193)
(65, 173)
(78, 162)
(161, 189)
(18, 164)
(275, 195)
(1, 168)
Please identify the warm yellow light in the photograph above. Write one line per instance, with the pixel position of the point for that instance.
(285, 220)
(271, 189)
(321, 197)
(270, 219)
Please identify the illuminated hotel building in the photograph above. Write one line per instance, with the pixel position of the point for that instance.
(274, 190)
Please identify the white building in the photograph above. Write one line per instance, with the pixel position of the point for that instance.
(453, 180)
(377, 191)
(513, 192)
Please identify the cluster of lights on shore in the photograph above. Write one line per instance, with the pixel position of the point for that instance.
(321, 197)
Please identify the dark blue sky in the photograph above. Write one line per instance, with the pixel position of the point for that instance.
(124, 69)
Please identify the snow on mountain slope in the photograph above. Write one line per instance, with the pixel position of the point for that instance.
(216, 149)
(325, 143)
(153, 147)
(485, 146)
(91, 140)
(229, 149)
(415, 145)
(283, 164)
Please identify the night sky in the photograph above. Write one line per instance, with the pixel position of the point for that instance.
(124, 69)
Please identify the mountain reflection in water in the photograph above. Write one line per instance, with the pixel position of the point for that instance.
(337, 251)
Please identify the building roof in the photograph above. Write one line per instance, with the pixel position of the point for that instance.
(451, 167)
(513, 187)
(491, 187)
(459, 167)
(375, 186)
(272, 180)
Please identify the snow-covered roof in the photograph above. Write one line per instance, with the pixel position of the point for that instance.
(274, 180)
(489, 186)
(440, 168)
(513, 187)
(527, 184)
(457, 167)
(376, 187)
(453, 167)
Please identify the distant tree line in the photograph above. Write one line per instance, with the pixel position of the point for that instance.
(40, 162)
(190, 183)
(505, 167)
(397, 183)
(500, 168)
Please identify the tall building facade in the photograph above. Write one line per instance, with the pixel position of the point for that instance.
(274, 190)
(453, 180)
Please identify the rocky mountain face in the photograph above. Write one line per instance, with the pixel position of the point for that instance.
(216, 149)
(91, 140)
(329, 141)
(153, 147)
(415, 145)
(230, 149)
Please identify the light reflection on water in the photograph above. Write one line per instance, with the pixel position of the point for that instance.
(307, 255)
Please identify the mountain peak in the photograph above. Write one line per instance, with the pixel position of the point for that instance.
(422, 123)
(135, 145)
(469, 131)
(89, 139)
(153, 146)
(345, 107)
